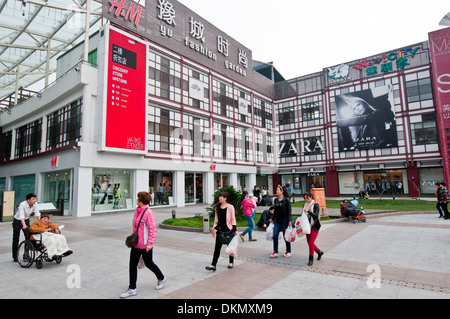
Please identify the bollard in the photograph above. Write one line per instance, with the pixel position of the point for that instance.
(174, 214)
(206, 223)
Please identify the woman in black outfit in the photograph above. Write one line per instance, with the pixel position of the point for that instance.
(312, 209)
(282, 219)
(224, 221)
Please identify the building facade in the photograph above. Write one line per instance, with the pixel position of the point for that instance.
(170, 104)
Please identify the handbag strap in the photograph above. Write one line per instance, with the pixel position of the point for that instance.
(137, 228)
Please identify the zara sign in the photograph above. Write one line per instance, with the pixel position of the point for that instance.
(289, 148)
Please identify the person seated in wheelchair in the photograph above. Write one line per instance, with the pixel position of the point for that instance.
(54, 242)
(349, 209)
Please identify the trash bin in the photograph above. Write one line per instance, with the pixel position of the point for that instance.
(206, 223)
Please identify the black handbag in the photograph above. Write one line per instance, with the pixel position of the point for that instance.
(132, 240)
(225, 237)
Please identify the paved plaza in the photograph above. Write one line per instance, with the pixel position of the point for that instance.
(391, 256)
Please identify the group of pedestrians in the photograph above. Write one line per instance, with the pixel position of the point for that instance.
(143, 224)
(280, 214)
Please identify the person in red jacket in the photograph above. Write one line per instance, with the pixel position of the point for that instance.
(144, 247)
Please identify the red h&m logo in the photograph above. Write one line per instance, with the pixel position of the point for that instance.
(54, 162)
(212, 167)
(130, 13)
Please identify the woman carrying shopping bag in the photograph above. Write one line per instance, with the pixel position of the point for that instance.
(312, 209)
(224, 228)
(281, 219)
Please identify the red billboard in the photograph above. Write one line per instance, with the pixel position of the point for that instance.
(125, 94)
(440, 58)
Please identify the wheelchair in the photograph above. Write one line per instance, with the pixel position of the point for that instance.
(33, 251)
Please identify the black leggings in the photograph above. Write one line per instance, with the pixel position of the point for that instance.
(217, 252)
(135, 255)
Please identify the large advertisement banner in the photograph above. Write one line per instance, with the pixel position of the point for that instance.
(125, 128)
(440, 58)
(366, 120)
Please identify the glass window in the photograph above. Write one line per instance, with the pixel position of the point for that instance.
(223, 99)
(161, 187)
(64, 125)
(23, 185)
(164, 77)
(384, 182)
(419, 90)
(163, 130)
(112, 189)
(424, 132)
(28, 139)
(58, 186)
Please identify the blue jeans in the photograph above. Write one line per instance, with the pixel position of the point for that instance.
(280, 225)
(251, 226)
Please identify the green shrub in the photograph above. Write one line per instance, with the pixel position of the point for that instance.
(235, 200)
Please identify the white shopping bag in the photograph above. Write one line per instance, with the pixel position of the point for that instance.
(232, 247)
(269, 232)
(304, 223)
(290, 234)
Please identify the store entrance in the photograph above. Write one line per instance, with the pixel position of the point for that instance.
(193, 192)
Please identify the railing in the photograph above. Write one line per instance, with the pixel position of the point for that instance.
(8, 102)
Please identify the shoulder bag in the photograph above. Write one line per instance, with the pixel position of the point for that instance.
(132, 240)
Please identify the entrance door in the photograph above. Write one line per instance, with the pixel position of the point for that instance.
(199, 188)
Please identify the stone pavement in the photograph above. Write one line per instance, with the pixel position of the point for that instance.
(391, 257)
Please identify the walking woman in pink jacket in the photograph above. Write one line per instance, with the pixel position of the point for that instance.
(144, 247)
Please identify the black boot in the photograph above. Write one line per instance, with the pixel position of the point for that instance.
(319, 254)
(311, 258)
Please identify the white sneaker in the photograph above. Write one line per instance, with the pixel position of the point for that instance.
(160, 284)
(129, 293)
(287, 255)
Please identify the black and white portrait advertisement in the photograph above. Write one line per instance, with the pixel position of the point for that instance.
(366, 119)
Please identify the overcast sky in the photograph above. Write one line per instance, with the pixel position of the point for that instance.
(303, 37)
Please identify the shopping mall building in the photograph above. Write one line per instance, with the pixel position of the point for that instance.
(170, 104)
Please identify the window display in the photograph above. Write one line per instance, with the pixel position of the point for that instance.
(58, 186)
(112, 189)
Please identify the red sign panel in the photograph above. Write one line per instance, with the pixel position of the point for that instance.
(126, 103)
(440, 59)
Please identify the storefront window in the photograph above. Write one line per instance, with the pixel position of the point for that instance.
(56, 187)
(221, 180)
(161, 187)
(428, 177)
(112, 189)
(22, 185)
(384, 182)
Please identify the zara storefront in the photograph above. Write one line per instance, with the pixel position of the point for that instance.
(171, 105)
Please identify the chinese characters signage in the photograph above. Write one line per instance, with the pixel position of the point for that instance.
(171, 24)
(440, 58)
(125, 106)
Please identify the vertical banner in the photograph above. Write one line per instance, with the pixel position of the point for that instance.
(440, 58)
(125, 126)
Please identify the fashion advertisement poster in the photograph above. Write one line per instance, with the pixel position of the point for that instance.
(440, 58)
(366, 119)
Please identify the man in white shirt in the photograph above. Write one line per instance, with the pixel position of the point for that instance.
(22, 220)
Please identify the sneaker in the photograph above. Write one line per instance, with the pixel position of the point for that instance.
(253, 239)
(274, 255)
(242, 238)
(287, 254)
(129, 293)
(160, 284)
